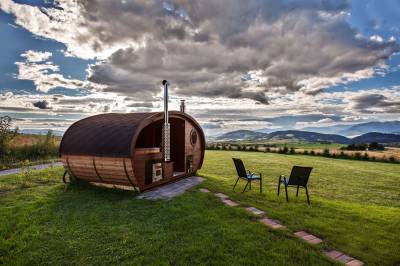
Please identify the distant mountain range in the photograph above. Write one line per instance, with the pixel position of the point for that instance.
(358, 129)
(309, 136)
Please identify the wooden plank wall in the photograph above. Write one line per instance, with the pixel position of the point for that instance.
(190, 149)
(109, 170)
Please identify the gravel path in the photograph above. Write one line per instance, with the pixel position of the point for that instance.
(35, 167)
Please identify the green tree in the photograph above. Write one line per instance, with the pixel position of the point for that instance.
(5, 136)
(326, 152)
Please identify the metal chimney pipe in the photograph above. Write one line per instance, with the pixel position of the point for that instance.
(166, 129)
(182, 106)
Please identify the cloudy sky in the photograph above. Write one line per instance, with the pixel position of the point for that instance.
(255, 64)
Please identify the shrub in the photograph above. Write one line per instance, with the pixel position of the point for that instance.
(356, 147)
(392, 159)
(305, 152)
(365, 156)
(292, 150)
(375, 146)
(357, 155)
(312, 152)
(326, 152)
(285, 149)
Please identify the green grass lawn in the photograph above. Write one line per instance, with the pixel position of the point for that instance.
(355, 207)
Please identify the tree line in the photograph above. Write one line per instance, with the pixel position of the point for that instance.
(325, 152)
(13, 155)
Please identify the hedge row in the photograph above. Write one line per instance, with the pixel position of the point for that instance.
(285, 150)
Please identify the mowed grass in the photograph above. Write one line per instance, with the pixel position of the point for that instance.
(355, 205)
(43, 221)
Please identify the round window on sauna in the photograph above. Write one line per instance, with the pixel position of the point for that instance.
(193, 137)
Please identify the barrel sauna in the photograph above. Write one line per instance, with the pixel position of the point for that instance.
(126, 149)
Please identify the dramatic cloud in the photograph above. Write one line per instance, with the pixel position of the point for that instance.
(43, 73)
(234, 49)
(36, 56)
(41, 104)
(373, 102)
(276, 45)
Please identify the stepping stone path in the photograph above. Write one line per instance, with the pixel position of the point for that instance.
(343, 258)
(255, 211)
(221, 195)
(171, 190)
(272, 223)
(230, 202)
(308, 237)
(275, 224)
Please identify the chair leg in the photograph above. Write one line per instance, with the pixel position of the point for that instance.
(245, 186)
(287, 197)
(279, 185)
(308, 197)
(237, 180)
(297, 193)
(250, 184)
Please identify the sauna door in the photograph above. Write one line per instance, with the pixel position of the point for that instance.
(178, 144)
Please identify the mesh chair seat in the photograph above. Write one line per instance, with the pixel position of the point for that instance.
(253, 176)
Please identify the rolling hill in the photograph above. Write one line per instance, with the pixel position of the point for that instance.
(391, 127)
(309, 137)
(242, 135)
(377, 137)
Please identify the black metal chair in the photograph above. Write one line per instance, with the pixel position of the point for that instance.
(298, 178)
(246, 175)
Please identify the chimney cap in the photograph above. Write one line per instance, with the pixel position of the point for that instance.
(164, 82)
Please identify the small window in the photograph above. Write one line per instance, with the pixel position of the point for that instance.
(193, 137)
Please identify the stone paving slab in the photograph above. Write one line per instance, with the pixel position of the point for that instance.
(333, 254)
(300, 234)
(230, 202)
(355, 263)
(171, 190)
(255, 211)
(221, 195)
(308, 237)
(272, 223)
(312, 239)
(204, 190)
(343, 258)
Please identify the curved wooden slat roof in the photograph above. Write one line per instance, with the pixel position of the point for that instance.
(111, 134)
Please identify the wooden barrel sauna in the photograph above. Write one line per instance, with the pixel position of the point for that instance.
(125, 149)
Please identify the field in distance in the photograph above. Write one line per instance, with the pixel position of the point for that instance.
(301, 146)
(22, 140)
